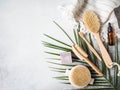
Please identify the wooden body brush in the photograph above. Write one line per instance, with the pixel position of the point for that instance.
(78, 53)
(92, 23)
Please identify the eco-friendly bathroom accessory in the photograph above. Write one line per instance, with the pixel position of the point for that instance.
(76, 50)
(92, 23)
(66, 57)
(80, 76)
(89, 45)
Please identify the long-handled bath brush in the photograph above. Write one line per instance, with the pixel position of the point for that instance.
(89, 45)
(92, 23)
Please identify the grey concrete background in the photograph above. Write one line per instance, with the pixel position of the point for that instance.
(22, 60)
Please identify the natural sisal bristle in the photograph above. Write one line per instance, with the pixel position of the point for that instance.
(91, 21)
(80, 76)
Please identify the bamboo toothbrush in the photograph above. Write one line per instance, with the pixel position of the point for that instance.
(92, 23)
(89, 45)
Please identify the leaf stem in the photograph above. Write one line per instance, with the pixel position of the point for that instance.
(64, 32)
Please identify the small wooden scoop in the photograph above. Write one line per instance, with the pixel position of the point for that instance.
(92, 23)
(75, 49)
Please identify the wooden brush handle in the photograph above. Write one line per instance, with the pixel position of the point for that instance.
(105, 55)
(89, 45)
(81, 51)
(78, 54)
(93, 66)
(92, 49)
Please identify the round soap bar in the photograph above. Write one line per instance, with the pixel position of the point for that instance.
(80, 76)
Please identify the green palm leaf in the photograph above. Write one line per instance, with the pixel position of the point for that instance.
(53, 46)
(64, 32)
(101, 82)
(57, 40)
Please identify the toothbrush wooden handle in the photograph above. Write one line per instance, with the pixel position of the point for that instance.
(105, 55)
(86, 60)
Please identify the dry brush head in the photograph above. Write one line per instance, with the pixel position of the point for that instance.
(91, 21)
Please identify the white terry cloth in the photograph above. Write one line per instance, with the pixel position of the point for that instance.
(103, 8)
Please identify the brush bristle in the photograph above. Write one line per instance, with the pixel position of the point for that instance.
(91, 21)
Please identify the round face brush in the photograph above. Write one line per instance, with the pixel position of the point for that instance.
(92, 23)
(80, 76)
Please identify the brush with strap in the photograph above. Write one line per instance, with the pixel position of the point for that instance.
(90, 46)
(92, 23)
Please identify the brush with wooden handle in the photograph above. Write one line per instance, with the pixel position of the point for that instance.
(92, 23)
(75, 49)
(89, 45)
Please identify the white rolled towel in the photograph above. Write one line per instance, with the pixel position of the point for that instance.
(102, 7)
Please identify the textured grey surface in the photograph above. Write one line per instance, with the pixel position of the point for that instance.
(22, 61)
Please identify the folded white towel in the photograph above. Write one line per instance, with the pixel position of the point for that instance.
(102, 7)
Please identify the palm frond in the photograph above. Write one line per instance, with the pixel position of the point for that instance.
(94, 57)
(64, 32)
(76, 38)
(106, 82)
(57, 40)
(116, 60)
(53, 46)
(69, 65)
(52, 53)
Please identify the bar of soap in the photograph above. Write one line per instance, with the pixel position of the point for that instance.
(80, 76)
(66, 57)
